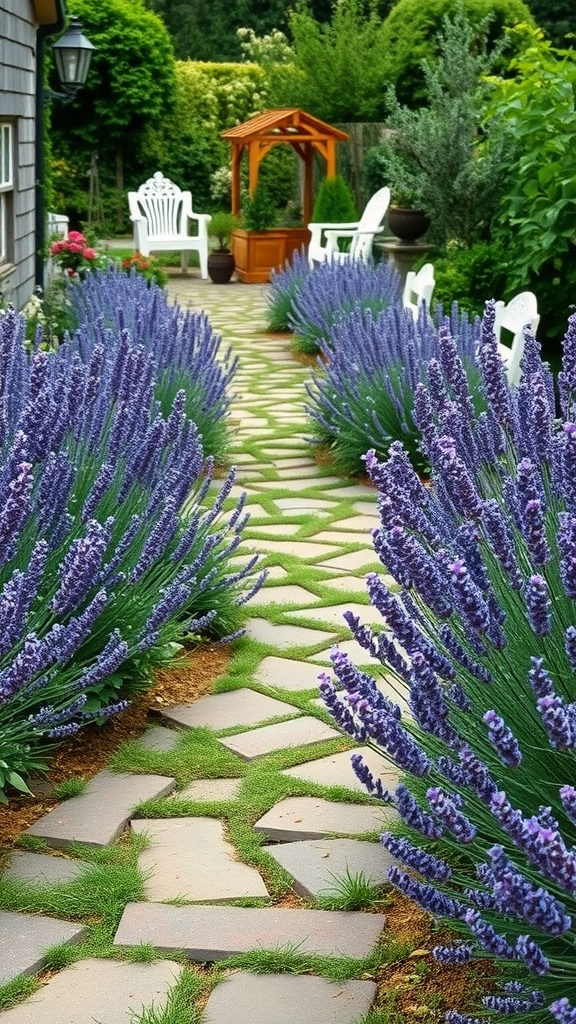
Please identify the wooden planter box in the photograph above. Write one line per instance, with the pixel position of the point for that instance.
(256, 253)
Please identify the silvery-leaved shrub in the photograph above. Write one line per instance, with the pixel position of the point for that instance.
(363, 393)
(108, 559)
(480, 636)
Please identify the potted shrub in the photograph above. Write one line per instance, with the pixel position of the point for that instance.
(406, 218)
(258, 246)
(221, 263)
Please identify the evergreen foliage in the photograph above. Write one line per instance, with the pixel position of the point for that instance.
(410, 34)
(334, 202)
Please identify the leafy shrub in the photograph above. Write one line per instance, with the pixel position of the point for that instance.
(410, 35)
(536, 221)
(333, 289)
(285, 284)
(258, 212)
(483, 642)
(186, 350)
(469, 276)
(108, 561)
(364, 396)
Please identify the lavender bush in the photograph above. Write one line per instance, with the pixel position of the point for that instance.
(185, 348)
(363, 394)
(332, 290)
(285, 285)
(107, 559)
(481, 637)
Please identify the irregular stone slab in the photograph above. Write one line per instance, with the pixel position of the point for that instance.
(335, 614)
(284, 636)
(100, 813)
(309, 504)
(309, 817)
(337, 770)
(366, 507)
(189, 858)
(361, 522)
(316, 865)
(287, 674)
(106, 991)
(295, 733)
(210, 789)
(365, 559)
(296, 548)
(356, 491)
(24, 938)
(357, 655)
(226, 710)
(43, 869)
(284, 998)
(276, 572)
(288, 463)
(212, 933)
(299, 485)
(159, 739)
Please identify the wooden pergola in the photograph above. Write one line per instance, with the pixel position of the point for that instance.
(306, 134)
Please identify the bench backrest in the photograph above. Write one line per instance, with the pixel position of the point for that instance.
(162, 203)
(372, 220)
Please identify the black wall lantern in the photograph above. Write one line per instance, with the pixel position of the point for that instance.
(72, 55)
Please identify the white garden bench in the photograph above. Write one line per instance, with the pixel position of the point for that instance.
(520, 312)
(160, 213)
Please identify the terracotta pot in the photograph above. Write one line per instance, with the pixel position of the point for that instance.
(408, 225)
(221, 266)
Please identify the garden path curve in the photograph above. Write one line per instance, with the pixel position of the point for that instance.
(204, 897)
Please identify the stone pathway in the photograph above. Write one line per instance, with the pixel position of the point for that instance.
(316, 568)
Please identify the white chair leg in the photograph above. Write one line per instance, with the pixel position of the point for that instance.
(184, 261)
(203, 254)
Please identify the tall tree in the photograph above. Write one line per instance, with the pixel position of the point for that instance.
(131, 84)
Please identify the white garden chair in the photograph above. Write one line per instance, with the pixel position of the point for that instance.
(323, 246)
(160, 213)
(418, 289)
(513, 317)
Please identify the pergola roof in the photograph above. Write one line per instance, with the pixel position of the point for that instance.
(287, 121)
(306, 135)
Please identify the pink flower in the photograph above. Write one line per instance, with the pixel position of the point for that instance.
(76, 236)
(56, 247)
(89, 254)
(75, 247)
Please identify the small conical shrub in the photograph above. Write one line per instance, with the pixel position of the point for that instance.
(334, 202)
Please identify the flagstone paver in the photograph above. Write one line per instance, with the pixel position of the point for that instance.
(212, 933)
(210, 789)
(189, 858)
(299, 732)
(365, 559)
(100, 813)
(284, 636)
(159, 739)
(294, 548)
(225, 710)
(309, 817)
(287, 674)
(24, 939)
(42, 868)
(244, 998)
(335, 614)
(337, 770)
(98, 992)
(318, 865)
(357, 655)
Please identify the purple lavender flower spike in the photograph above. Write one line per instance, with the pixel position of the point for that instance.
(373, 785)
(488, 937)
(503, 740)
(501, 542)
(567, 548)
(446, 810)
(513, 1004)
(453, 1017)
(457, 478)
(563, 1010)
(568, 797)
(493, 374)
(530, 952)
(567, 375)
(516, 896)
(539, 678)
(79, 570)
(471, 603)
(411, 812)
(424, 863)
(427, 896)
(559, 721)
(461, 954)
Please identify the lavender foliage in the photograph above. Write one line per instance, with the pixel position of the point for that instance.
(498, 732)
(107, 549)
